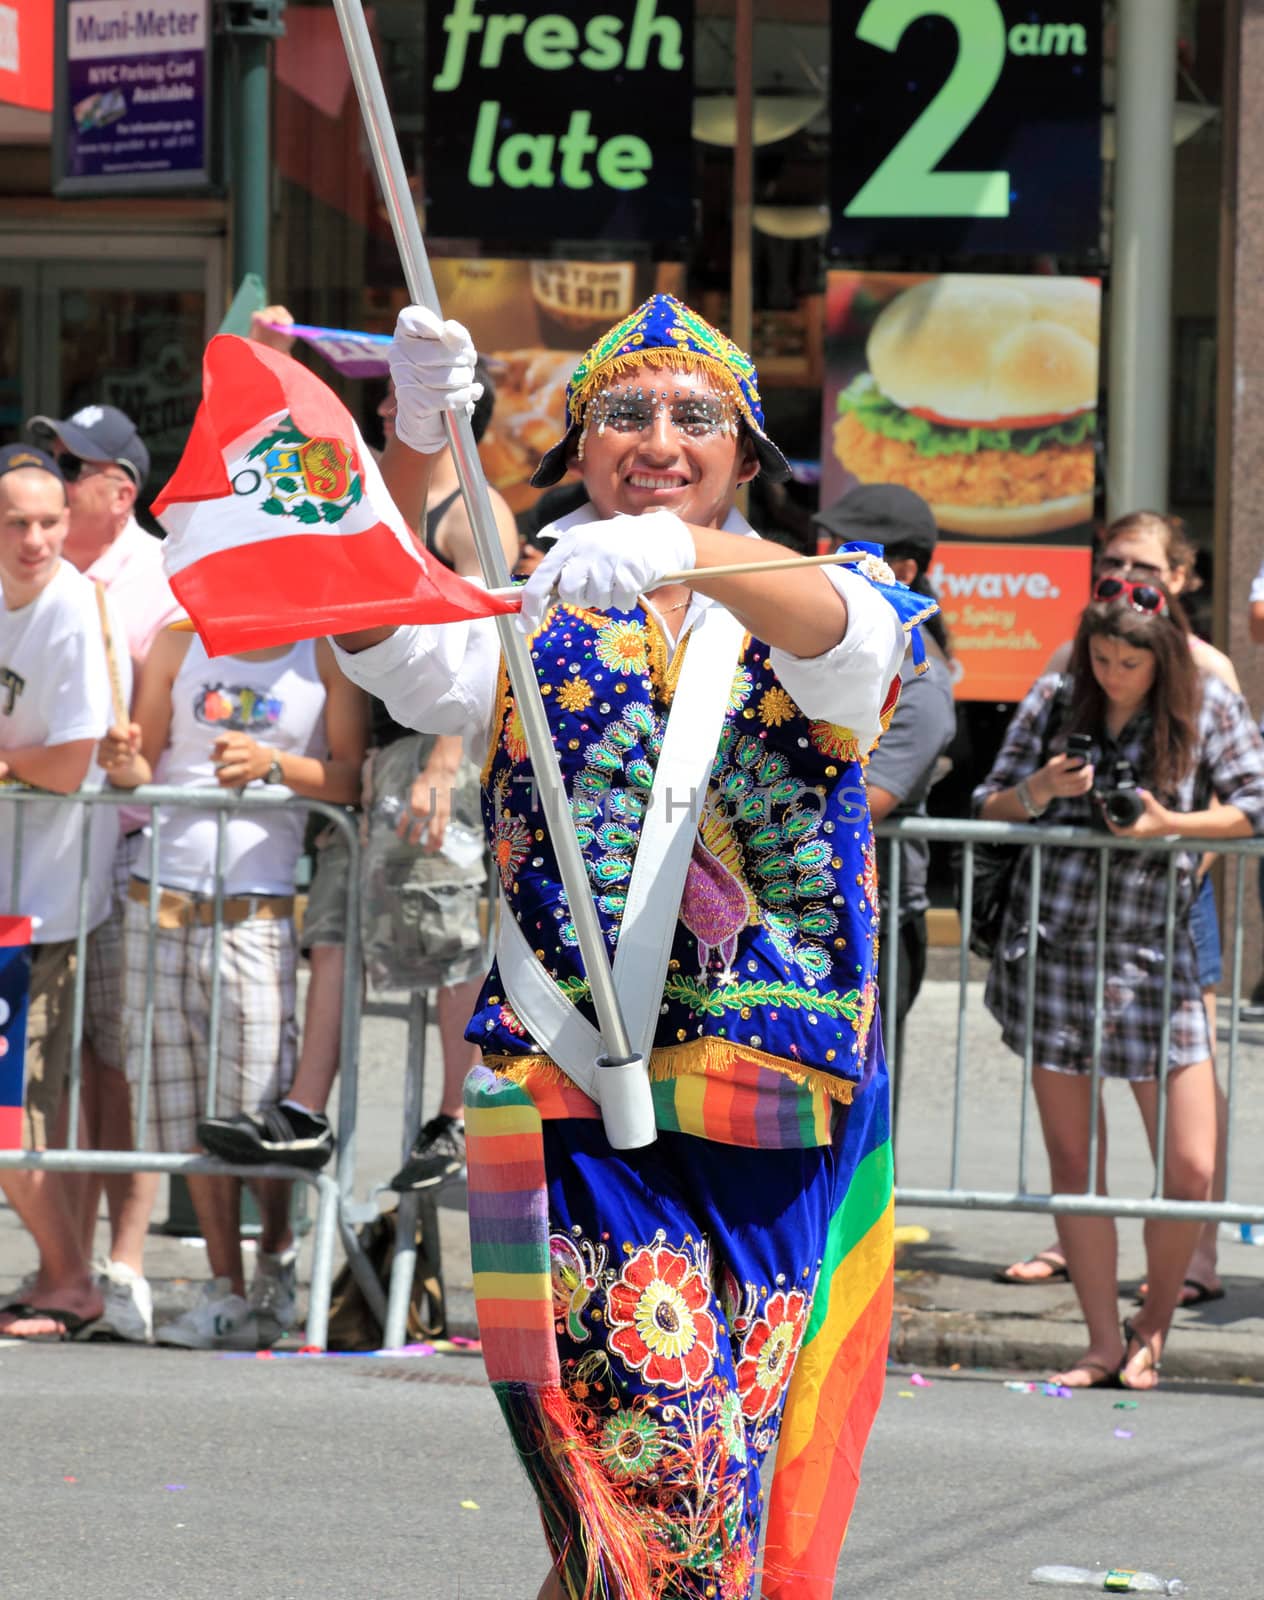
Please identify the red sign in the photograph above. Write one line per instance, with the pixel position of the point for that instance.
(1008, 607)
(26, 54)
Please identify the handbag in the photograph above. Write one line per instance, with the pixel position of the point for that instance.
(996, 864)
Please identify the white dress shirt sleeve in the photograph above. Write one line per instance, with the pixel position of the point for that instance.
(848, 685)
(437, 678)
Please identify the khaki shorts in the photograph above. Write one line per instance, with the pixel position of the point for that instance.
(49, 1034)
(103, 991)
(325, 916)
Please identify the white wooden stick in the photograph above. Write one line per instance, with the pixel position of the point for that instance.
(738, 568)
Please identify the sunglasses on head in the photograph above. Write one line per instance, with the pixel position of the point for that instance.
(1143, 597)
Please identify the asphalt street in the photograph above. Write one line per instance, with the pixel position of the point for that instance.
(159, 1475)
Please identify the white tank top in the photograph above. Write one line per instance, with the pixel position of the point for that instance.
(280, 703)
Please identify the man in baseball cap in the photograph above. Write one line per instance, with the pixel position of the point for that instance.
(103, 462)
(912, 753)
(93, 437)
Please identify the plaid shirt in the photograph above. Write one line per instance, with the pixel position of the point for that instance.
(1229, 763)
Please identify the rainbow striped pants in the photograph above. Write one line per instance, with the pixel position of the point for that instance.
(654, 1321)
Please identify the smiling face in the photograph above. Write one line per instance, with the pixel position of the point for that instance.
(660, 439)
(33, 525)
(1124, 672)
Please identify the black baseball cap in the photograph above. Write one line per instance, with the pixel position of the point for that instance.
(884, 514)
(14, 457)
(98, 433)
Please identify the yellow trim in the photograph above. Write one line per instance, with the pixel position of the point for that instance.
(698, 1057)
(672, 356)
(498, 721)
(664, 671)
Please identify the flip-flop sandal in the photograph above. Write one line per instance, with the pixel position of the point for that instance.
(72, 1324)
(1057, 1272)
(1202, 1294)
(1131, 1337)
(1109, 1379)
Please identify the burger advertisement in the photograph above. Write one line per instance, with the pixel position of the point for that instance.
(979, 392)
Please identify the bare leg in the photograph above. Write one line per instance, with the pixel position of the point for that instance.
(1188, 1170)
(130, 1195)
(1202, 1267)
(1089, 1243)
(273, 1198)
(217, 1202)
(455, 1006)
(322, 1029)
(64, 1279)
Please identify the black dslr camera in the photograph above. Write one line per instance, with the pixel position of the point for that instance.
(1114, 782)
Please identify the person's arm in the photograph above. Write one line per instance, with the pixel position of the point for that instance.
(455, 535)
(881, 801)
(1255, 621)
(799, 611)
(60, 768)
(430, 796)
(261, 333)
(241, 759)
(129, 754)
(998, 797)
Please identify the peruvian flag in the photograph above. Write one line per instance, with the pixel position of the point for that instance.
(279, 526)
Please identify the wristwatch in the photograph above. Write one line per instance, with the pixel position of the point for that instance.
(1023, 790)
(274, 773)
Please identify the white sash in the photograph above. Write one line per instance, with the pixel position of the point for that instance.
(658, 876)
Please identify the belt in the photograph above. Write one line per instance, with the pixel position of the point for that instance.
(176, 909)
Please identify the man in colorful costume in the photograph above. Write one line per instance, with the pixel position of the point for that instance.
(653, 1319)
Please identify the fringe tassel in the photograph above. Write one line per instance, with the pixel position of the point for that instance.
(599, 1543)
(674, 357)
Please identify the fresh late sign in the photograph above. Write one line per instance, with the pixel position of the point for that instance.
(559, 123)
(965, 127)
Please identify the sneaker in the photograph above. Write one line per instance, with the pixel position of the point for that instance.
(274, 1294)
(277, 1133)
(217, 1320)
(129, 1305)
(437, 1156)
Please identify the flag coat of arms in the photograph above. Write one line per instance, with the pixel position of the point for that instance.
(15, 984)
(279, 526)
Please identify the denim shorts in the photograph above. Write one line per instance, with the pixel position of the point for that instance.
(1204, 927)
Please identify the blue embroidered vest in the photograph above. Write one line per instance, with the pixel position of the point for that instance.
(775, 954)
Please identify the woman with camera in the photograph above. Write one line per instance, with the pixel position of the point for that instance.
(1147, 747)
(1151, 548)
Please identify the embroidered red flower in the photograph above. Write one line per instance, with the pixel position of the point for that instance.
(658, 1317)
(768, 1353)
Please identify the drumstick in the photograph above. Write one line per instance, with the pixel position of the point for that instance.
(111, 660)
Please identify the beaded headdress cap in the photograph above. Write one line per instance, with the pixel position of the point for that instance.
(670, 334)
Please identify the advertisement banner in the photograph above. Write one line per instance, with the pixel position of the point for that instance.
(979, 393)
(26, 54)
(132, 97)
(965, 127)
(558, 122)
(531, 321)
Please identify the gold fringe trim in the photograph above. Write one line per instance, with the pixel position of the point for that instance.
(710, 1058)
(680, 360)
(498, 721)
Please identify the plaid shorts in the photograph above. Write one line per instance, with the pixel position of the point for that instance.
(49, 1035)
(258, 1030)
(103, 969)
(1132, 1005)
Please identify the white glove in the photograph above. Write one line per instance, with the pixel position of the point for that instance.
(432, 365)
(606, 565)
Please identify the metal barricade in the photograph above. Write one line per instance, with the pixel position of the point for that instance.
(969, 835)
(331, 1191)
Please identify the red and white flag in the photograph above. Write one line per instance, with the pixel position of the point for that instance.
(279, 526)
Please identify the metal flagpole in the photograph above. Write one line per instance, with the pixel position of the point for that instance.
(626, 1102)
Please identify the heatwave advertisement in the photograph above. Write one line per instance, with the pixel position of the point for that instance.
(531, 322)
(980, 393)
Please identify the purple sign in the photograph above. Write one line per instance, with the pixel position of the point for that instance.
(132, 96)
(355, 355)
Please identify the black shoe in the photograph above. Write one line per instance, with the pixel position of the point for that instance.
(437, 1156)
(277, 1133)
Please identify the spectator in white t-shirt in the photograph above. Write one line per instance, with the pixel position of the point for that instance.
(105, 463)
(54, 707)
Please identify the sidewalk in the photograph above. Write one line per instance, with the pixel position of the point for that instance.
(948, 1307)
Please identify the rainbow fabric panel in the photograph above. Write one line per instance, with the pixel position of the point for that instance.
(15, 984)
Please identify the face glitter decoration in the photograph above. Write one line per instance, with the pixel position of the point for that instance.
(634, 410)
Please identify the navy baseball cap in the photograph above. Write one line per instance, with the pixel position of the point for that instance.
(14, 457)
(98, 433)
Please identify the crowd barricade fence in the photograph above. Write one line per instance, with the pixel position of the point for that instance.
(1244, 855)
(333, 1191)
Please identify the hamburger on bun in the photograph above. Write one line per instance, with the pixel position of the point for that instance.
(981, 397)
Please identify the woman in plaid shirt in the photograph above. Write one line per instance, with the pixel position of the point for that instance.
(1136, 692)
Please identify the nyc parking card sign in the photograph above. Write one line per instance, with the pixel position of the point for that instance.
(133, 84)
(965, 127)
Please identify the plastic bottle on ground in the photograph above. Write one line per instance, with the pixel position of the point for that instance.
(462, 846)
(1112, 1580)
